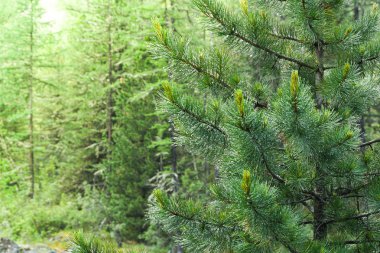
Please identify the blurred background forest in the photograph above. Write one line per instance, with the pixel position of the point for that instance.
(82, 145)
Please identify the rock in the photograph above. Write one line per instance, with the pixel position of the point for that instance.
(8, 246)
(38, 249)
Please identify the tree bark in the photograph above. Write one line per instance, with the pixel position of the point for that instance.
(320, 227)
(110, 109)
(31, 102)
(362, 119)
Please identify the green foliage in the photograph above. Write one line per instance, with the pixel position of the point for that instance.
(83, 244)
(48, 214)
(89, 244)
(273, 102)
(293, 175)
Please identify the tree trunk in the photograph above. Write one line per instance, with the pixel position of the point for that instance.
(362, 120)
(320, 228)
(174, 157)
(356, 10)
(30, 106)
(110, 110)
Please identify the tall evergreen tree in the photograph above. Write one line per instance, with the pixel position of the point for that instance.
(292, 175)
(23, 60)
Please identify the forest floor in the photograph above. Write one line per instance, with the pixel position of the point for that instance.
(61, 244)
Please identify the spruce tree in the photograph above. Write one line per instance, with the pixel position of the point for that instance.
(294, 174)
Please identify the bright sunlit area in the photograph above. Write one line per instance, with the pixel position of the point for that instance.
(189, 126)
(54, 13)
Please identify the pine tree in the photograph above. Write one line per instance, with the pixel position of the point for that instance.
(294, 175)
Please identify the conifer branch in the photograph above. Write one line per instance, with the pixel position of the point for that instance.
(272, 52)
(356, 217)
(200, 119)
(360, 242)
(247, 129)
(205, 72)
(262, 156)
(275, 235)
(303, 202)
(201, 221)
(274, 175)
(196, 214)
(214, 15)
(369, 143)
(287, 38)
(372, 58)
(179, 51)
(312, 29)
(329, 67)
(375, 57)
(347, 191)
(314, 195)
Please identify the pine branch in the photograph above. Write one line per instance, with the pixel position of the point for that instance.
(274, 233)
(199, 126)
(356, 217)
(314, 195)
(360, 242)
(82, 244)
(206, 227)
(201, 70)
(369, 143)
(200, 221)
(375, 57)
(287, 38)
(312, 29)
(276, 54)
(178, 50)
(200, 119)
(276, 177)
(372, 58)
(347, 191)
(214, 15)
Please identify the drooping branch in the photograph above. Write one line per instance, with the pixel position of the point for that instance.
(360, 242)
(373, 58)
(282, 37)
(356, 217)
(369, 143)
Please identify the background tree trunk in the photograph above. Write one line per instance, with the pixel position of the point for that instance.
(31, 102)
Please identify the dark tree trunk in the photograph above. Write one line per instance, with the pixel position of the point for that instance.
(320, 227)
